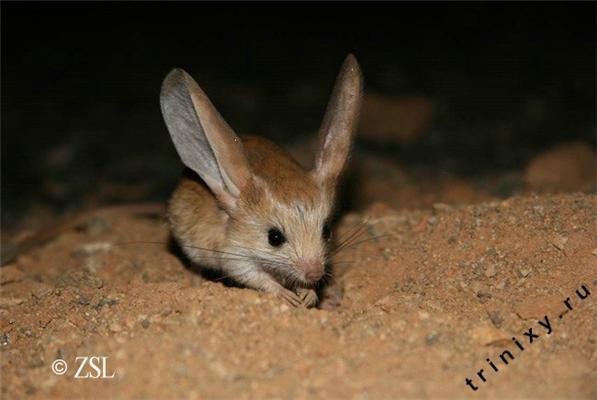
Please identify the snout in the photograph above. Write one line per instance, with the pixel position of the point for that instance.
(312, 269)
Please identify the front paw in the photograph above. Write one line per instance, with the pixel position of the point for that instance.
(289, 297)
(308, 297)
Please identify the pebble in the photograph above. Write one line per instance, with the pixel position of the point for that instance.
(10, 301)
(524, 271)
(78, 279)
(97, 226)
(490, 271)
(106, 301)
(559, 242)
(92, 248)
(41, 293)
(485, 334)
(35, 361)
(441, 207)
(423, 315)
(476, 287)
(496, 318)
(26, 331)
(539, 210)
(284, 308)
(77, 320)
(432, 338)
(10, 275)
(115, 327)
(483, 296)
(4, 339)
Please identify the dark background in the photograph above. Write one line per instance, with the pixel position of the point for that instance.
(80, 84)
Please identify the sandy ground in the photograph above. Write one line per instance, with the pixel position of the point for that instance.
(470, 202)
(427, 296)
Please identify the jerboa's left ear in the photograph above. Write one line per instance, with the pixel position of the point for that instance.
(339, 124)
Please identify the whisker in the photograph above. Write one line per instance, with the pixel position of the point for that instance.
(348, 242)
(184, 246)
(363, 241)
(274, 258)
(357, 229)
(233, 275)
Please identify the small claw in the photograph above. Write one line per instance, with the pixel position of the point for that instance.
(290, 297)
(308, 297)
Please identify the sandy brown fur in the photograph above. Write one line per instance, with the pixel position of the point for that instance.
(245, 207)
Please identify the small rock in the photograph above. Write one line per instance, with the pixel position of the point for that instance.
(524, 271)
(423, 315)
(96, 226)
(386, 303)
(145, 323)
(284, 307)
(92, 264)
(559, 242)
(77, 320)
(83, 300)
(6, 302)
(36, 361)
(595, 252)
(10, 275)
(106, 301)
(432, 338)
(115, 327)
(486, 334)
(539, 210)
(476, 287)
(26, 331)
(496, 318)
(564, 167)
(78, 279)
(41, 293)
(441, 207)
(92, 248)
(483, 296)
(30, 389)
(4, 339)
(490, 271)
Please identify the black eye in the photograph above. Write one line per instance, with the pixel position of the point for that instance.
(275, 237)
(326, 232)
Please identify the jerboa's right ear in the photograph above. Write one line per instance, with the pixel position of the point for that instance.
(204, 141)
(339, 123)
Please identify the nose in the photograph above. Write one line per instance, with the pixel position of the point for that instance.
(313, 269)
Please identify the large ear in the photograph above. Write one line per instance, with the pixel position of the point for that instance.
(204, 141)
(339, 123)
